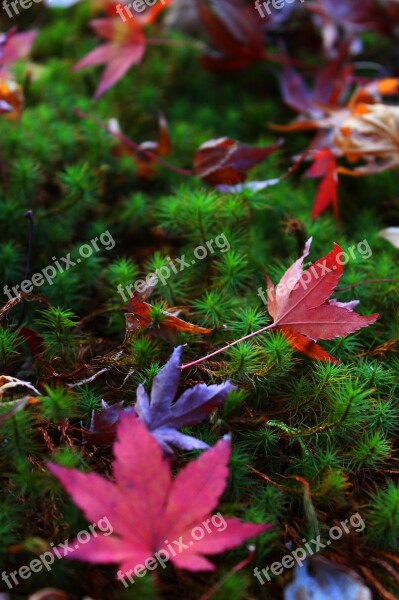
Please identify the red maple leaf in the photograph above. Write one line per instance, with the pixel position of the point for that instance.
(151, 513)
(125, 46)
(325, 166)
(301, 308)
(15, 46)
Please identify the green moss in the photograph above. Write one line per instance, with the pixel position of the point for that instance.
(296, 423)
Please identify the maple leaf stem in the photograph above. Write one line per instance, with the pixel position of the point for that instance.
(243, 339)
(132, 144)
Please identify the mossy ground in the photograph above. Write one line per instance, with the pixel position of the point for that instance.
(332, 427)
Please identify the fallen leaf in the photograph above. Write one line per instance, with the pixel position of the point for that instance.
(362, 129)
(226, 161)
(253, 186)
(325, 166)
(300, 305)
(15, 46)
(146, 508)
(103, 425)
(60, 3)
(144, 161)
(329, 86)
(391, 234)
(124, 48)
(370, 133)
(150, 14)
(342, 21)
(11, 97)
(126, 42)
(163, 416)
(235, 31)
(7, 382)
(139, 317)
(321, 579)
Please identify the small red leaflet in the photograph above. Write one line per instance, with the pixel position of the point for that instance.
(140, 315)
(325, 166)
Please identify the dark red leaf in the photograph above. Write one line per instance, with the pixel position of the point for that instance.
(226, 161)
(330, 84)
(235, 31)
(103, 424)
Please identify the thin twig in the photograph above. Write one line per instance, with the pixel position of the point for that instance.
(89, 379)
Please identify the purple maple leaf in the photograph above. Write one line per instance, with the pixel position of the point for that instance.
(163, 417)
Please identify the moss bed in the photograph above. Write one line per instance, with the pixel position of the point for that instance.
(313, 442)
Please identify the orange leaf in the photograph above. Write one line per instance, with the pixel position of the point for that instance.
(139, 317)
(303, 344)
(11, 98)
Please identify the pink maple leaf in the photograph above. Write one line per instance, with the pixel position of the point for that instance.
(15, 46)
(148, 510)
(124, 48)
